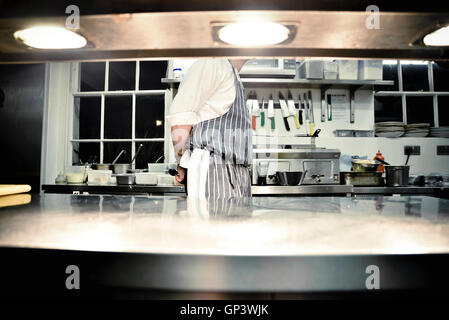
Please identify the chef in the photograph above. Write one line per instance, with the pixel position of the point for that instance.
(211, 130)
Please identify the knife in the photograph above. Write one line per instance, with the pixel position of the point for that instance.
(262, 114)
(292, 109)
(270, 112)
(300, 110)
(312, 121)
(306, 112)
(329, 107)
(284, 109)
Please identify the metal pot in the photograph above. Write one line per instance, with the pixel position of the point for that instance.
(126, 179)
(101, 166)
(397, 176)
(359, 165)
(121, 168)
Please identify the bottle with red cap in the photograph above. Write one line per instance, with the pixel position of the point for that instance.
(381, 167)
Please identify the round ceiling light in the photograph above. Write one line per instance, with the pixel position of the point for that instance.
(253, 33)
(50, 38)
(439, 37)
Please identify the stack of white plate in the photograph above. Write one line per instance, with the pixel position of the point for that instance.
(417, 130)
(442, 132)
(390, 129)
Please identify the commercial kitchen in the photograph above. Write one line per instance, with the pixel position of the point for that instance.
(348, 111)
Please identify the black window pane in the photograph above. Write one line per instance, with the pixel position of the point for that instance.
(390, 72)
(443, 110)
(122, 75)
(85, 152)
(420, 110)
(415, 77)
(387, 109)
(112, 150)
(118, 117)
(151, 73)
(151, 151)
(150, 116)
(87, 118)
(441, 76)
(92, 76)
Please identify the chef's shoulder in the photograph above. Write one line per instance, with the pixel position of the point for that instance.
(212, 67)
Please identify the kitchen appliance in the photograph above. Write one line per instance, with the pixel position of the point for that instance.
(311, 69)
(273, 68)
(322, 166)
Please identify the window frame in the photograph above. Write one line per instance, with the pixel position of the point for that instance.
(404, 94)
(76, 93)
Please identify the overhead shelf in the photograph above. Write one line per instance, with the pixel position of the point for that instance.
(410, 93)
(300, 83)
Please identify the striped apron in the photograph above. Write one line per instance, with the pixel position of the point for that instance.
(220, 152)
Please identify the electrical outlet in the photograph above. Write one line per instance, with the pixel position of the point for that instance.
(442, 150)
(412, 150)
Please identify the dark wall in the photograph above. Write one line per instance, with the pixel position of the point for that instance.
(21, 123)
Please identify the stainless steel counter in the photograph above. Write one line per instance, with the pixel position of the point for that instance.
(257, 244)
(331, 190)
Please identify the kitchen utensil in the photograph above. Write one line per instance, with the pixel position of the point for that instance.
(316, 133)
(292, 109)
(98, 176)
(284, 109)
(157, 167)
(397, 176)
(121, 152)
(312, 120)
(127, 179)
(7, 189)
(121, 168)
(262, 113)
(146, 178)
(374, 179)
(307, 112)
(329, 107)
(359, 165)
(381, 160)
(137, 152)
(270, 112)
(101, 166)
(301, 110)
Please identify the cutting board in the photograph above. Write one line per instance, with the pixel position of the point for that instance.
(14, 200)
(6, 189)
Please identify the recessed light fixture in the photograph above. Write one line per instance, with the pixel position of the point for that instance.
(439, 37)
(48, 37)
(253, 33)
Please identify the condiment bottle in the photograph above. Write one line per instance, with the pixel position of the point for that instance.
(381, 167)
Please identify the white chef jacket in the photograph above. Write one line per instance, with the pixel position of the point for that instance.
(206, 92)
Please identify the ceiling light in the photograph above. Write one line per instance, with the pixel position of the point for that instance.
(50, 38)
(439, 37)
(253, 33)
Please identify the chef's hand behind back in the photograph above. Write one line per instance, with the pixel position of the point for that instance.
(181, 174)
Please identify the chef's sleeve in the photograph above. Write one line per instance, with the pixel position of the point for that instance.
(195, 89)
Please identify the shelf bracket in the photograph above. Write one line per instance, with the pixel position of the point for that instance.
(324, 88)
(352, 91)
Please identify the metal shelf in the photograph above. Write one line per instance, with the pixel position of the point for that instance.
(410, 93)
(300, 83)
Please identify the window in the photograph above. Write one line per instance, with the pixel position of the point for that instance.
(118, 106)
(421, 93)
